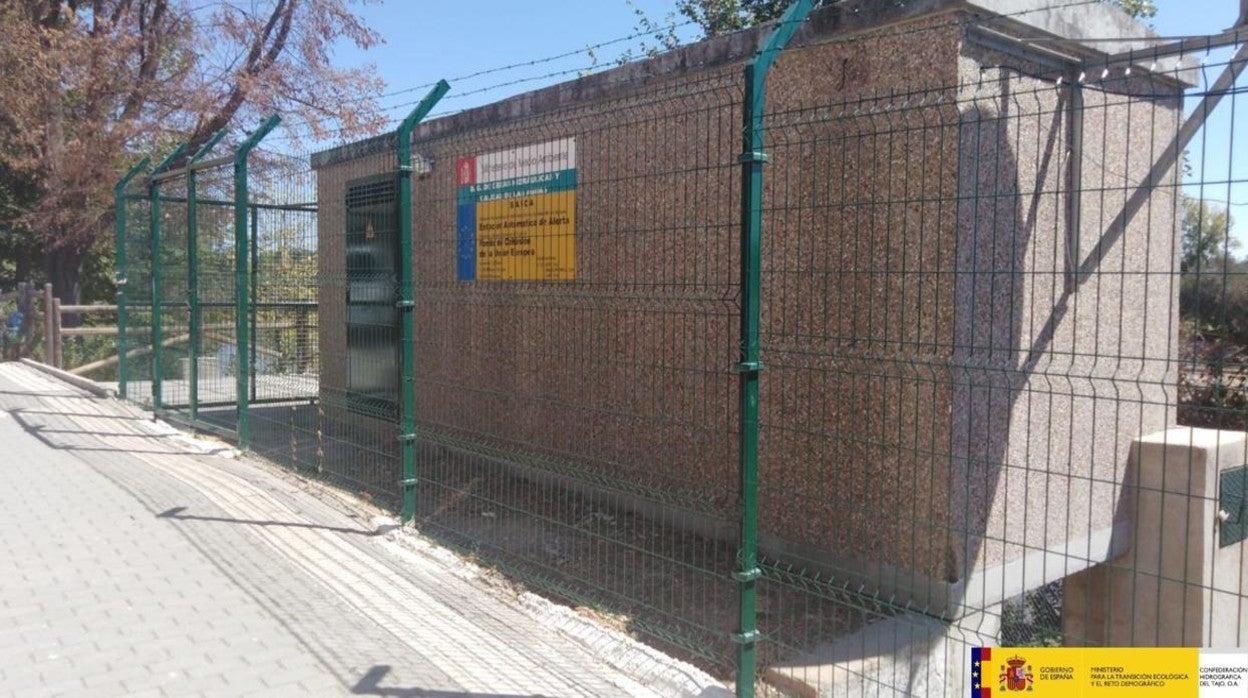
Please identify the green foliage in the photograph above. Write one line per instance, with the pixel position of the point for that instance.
(715, 16)
(1141, 9)
(18, 244)
(655, 38)
(1213, 295)
(1205, 242)
(1213, 311)
(1213, 370)
(1213, 303)
(1034, 618)
(286, 264)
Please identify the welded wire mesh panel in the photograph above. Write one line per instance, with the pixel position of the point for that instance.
(576, 306)
(859, 261)
(354, 423)
(283, 274)
(1003, 393)
(1188, 479)
(287, 424)
(171, 360)
(215, 345)
(136, 336)
(975, 316)
(344, 431)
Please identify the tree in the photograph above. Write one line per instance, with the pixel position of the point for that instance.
(1205, 243)
(1140, 9)
(89, 83)
(663, 35)
(1213, 310)
(1213, 296)
(723, 16)
(18, 247)
(716, 16)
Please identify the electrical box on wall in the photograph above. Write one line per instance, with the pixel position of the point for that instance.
(1233, 506)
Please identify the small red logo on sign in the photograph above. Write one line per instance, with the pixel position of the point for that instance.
(466, 171)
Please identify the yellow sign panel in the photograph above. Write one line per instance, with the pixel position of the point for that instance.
(515, 216)
(527, 238)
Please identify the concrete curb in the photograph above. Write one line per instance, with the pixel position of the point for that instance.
(646, 665)
(77, 381)
(651, 670)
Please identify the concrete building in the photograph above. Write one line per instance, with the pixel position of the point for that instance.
(969, 301)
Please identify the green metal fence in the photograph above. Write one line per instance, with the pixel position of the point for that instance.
(816, 376)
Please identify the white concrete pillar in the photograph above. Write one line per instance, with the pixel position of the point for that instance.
(1174, 586)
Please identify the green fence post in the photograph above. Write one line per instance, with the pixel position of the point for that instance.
(157, 295)
(120, 268)
(752, 159)
(192, 270)
(255, 284)
(407, 298)
(242, 295)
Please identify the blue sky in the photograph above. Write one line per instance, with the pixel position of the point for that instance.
(427, 40)
(1216, 153)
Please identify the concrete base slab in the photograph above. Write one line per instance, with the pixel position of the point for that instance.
(906, 655)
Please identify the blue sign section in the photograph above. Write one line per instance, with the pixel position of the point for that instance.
(466, 241)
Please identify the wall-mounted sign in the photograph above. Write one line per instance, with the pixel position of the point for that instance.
(516, 214)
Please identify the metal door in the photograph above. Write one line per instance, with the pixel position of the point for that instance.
(372, 258)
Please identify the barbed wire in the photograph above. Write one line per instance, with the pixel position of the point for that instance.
(303, 132)
(548, 59)
(588, 50)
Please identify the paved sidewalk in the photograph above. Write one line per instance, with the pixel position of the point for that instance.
(133, 562)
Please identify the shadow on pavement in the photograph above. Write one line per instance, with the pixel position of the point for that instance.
(28, 393)
(370, 685)
(176, 513)
(65, 439)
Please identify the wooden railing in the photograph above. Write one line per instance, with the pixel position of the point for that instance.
(43, 310)
(46, 309)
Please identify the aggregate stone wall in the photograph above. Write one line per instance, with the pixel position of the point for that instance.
(1066, 322)
(627, 369)
(928, 392)
(859, 229)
